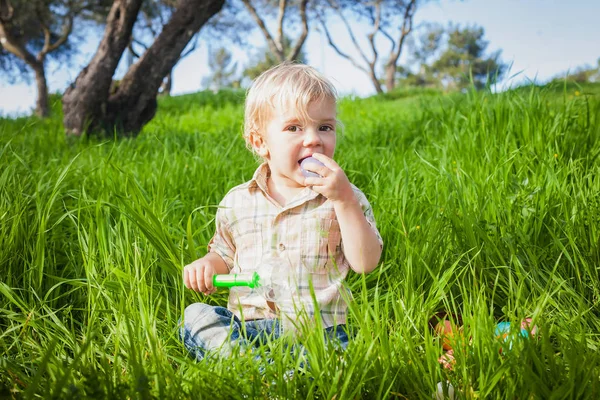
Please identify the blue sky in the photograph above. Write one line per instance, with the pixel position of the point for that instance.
(541, 38)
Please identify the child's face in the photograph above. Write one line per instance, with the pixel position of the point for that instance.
(287, 140)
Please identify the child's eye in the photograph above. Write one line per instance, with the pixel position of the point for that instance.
(326, 128)
(292, 128)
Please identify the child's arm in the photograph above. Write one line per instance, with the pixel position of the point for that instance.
(361, 244)
(198, 275)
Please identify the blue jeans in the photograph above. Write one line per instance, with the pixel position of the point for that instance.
(216, 330)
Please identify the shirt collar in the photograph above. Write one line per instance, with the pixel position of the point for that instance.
(259, 179)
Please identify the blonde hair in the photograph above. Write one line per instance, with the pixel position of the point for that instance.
(285, 85)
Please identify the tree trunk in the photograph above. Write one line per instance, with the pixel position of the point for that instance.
(375, 82)
(9, 43)
(41, 104)
(134, 103)
(85, 100)
(390, 77)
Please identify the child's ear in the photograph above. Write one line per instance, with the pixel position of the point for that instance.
(259, 145)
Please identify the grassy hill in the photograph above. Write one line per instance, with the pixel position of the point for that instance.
(489, 206)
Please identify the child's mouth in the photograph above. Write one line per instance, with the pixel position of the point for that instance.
(309, 160)
(302, 159)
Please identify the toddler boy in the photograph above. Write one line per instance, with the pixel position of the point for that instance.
(317, 228)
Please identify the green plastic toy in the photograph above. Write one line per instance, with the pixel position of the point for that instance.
(273, 280)
(231, 280)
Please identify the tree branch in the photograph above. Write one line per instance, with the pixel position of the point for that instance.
(132, 51)
(387, 35)
(66, 31)
(139, 43)
(406, 29)
(349, 29)
(47, 33)
(337, 49)
(9, 42)
(12, 46)
(270, 42)
(300, 42)
(191, 49)
(371, 36)
(280, 18)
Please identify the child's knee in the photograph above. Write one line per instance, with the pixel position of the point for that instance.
(196, 312)
(204, 317)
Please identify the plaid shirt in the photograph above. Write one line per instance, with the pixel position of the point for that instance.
(304, 237)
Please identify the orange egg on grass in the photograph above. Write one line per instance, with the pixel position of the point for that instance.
(446, 332)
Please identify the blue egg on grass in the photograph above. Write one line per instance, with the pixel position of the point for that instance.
(503, 331)
(310, 174)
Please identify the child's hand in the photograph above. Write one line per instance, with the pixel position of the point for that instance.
(198, 275)
(333, 182)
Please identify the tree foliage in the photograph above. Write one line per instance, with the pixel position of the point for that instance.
(581, 74)
(453, 58)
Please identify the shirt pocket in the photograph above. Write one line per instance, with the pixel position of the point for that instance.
(320, 243)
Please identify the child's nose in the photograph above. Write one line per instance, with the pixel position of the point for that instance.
(312, 138)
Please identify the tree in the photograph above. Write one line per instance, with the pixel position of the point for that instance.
(391, 18)
(154, 14)
(223, 71)
(452, 58)
(423, 46)
(275, 42)
(89, 104)
(464, 61)
(33, 31)
(581, 74)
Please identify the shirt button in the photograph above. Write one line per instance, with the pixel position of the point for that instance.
(281, 247)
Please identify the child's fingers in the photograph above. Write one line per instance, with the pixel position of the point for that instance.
(312, 181)
(315, 166)
(192, 279)
(329, 163)
(186, 277)
(208, 278)
(201, 287)
(321, 170)
(320, 189)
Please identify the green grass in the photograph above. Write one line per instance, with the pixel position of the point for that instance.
(489, 206)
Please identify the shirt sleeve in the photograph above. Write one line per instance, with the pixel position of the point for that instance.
(222, 241)
(367, 212)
